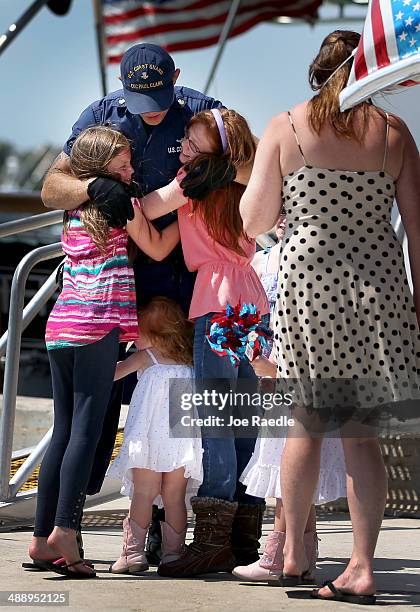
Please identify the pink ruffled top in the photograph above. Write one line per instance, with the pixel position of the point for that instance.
(223, 276)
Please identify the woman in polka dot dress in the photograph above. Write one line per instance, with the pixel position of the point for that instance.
(344, 309)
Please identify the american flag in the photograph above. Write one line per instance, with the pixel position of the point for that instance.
(179, 25)
(388, 55)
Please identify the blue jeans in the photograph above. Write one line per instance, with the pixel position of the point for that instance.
(224, 459)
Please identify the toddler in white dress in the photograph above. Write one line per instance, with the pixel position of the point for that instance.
(151, 465)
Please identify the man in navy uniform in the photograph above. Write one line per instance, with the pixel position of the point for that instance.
(153, 113)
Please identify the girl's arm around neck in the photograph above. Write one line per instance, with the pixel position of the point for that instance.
(156, 245)
(136, 362)
(164, 200)
(261, 202)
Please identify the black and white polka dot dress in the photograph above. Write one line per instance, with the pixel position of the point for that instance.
(344, 307)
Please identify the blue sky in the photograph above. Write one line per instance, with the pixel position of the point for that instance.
(50, 73)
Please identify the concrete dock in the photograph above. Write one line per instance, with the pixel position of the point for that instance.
(397, 570)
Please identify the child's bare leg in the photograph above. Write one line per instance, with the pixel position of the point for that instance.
(146, 487)
(280, 523)
(174, 485)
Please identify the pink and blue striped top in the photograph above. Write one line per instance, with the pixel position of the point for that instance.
(98, 290)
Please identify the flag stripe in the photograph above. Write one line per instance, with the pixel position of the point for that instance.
(115, 15)
(186, 24)
(195, 24)
(388, 22)
(170, 14)
(369, 43)
(179, 42)
(213, 12)
(360, 67)
(382, 58)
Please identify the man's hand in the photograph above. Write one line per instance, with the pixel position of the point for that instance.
(112, 198)
(206, 176)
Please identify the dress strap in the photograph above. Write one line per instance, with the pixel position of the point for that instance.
(296, 137)
(386, 142)
(152, 357)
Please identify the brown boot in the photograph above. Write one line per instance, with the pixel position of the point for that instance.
(246, 533)
(210, 550)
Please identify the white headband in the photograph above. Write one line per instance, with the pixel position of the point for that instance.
(220, 126)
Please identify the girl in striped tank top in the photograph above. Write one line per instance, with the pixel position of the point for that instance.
(95, 310)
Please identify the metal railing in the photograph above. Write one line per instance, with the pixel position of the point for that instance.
(10, 228)
(10, 343)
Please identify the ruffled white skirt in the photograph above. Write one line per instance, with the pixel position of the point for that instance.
(262, 474)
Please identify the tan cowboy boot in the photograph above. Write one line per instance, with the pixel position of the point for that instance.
(133, 558)
(270, 566)
(172, 542)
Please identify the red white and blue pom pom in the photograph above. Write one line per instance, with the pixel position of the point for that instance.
(238, 333)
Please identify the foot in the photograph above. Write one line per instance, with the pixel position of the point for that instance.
(63, 541)
(352, 581)
(295, 562)
(39, 549)
(255, 573)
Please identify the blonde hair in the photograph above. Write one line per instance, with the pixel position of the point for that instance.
(325, 107)
(90, 155)
(164, 322)
(220, 210)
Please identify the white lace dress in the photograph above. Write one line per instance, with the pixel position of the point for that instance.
(146, 434)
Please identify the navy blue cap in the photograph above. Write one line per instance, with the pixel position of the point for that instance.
(146, 74)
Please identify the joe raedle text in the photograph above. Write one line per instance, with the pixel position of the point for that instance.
(188, 420)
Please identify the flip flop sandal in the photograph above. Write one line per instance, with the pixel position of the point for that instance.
(289, 580)
(339, 595)
(40, 565)
(64, 570)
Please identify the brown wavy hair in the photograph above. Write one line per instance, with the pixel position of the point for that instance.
(325, 106)
(220, 211)
(90, 155)
(164, 322)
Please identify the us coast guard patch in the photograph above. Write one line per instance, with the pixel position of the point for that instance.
(175, 149)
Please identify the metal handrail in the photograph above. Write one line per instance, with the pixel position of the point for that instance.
(30, 463)
(41, 297)
(19, 226)
(15, 325)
